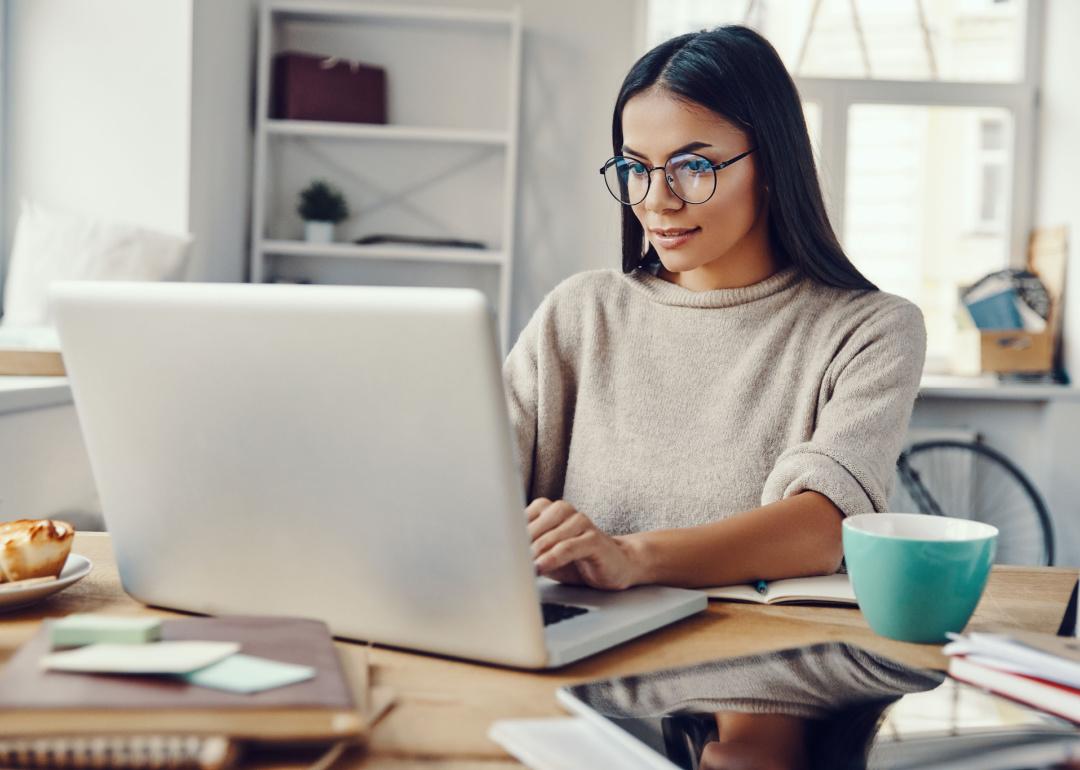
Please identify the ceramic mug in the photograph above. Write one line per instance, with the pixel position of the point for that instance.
(915, 576)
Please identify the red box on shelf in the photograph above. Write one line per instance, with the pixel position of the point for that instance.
(309, 87)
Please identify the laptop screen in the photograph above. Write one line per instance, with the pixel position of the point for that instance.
(833, 706)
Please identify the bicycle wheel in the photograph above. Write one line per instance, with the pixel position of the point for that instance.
(972, 481)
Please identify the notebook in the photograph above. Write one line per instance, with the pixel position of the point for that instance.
(1053, 697)
(35, 702)
(829, 589)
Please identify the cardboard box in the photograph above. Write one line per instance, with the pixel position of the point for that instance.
(308, 87)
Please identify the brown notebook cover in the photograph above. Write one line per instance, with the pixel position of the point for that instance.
(38, 702)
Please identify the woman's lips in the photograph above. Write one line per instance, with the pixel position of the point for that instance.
(673, 238)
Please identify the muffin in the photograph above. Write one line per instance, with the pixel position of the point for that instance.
(32, 548)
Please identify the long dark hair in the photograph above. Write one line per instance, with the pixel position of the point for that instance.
(737, 74)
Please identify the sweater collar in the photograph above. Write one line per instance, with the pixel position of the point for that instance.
(667, 293)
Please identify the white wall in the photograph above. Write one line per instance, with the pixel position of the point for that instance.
(98, 108)
(575, 56)
(136, 111)
(1057, 196)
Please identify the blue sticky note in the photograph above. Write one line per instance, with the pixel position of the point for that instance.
(248, 674)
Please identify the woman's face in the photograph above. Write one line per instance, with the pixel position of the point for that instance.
(722, 242)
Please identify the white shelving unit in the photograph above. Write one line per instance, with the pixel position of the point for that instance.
(443, 167)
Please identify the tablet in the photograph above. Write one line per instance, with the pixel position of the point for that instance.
(831, 706)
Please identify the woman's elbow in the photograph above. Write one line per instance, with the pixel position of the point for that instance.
(829, 545)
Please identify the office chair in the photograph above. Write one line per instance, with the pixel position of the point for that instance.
(969, 480)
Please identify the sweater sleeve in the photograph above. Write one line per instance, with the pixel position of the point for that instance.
(868, 394)
(541, 392)
(521, 380)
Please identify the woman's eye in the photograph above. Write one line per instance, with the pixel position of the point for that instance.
(698, 166)
(638, 169)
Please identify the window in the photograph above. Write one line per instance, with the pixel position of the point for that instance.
(922, 115)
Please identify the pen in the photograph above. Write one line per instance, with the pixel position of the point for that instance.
(761, 587)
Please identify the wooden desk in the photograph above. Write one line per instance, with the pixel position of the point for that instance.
(445, 706)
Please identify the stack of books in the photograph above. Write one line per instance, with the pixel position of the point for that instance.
(111, 695)
(1008, 299)
(1039, 670)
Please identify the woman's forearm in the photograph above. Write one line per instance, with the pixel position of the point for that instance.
(795, 537)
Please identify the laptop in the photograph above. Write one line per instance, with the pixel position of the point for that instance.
(335, 452)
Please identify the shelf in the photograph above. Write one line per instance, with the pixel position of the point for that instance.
(346, 12)
(384, 251)
(329, 130)
(456, 77)
(988, 388)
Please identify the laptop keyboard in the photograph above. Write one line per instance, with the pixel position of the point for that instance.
(553, 613)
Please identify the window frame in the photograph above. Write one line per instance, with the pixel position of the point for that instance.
(835, 96)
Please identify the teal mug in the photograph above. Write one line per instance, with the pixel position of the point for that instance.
(917, 577)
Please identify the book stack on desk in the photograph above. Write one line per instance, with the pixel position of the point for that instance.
(1039, 670)
(48, 710)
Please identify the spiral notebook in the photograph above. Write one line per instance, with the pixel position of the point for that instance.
(67, 719)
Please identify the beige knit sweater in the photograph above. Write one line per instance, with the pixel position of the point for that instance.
(649, 406)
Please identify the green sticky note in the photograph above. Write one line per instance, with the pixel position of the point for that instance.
(87, 628)
(248, 674)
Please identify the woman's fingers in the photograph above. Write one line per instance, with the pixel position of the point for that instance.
(568, 551)
(536, 507)
(572, 526)
(550, 517)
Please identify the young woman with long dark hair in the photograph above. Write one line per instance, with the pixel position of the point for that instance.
(709, 414)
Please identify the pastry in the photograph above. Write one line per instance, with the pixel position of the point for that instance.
(32, 548)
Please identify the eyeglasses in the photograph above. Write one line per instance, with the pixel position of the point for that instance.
(689, 176)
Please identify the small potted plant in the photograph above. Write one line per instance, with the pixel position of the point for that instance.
(321, 207)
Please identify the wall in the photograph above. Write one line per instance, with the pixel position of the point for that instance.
(135, 111)
(97, 106)
(1057, 196)
(1035, 433)
(574, 58)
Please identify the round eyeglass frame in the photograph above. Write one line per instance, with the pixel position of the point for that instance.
(667, 175)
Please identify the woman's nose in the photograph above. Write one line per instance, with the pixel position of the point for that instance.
(660, 197)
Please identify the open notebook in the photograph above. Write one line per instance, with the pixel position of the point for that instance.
(829, 589)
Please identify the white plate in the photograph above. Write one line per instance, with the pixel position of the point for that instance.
(12, 596)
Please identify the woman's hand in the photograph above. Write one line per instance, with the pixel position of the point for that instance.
(568, 547)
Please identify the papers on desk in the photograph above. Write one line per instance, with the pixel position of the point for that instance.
(562, 743)
(1037, 669)
(151, 658)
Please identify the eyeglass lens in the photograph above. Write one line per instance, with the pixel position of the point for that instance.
(690, 176)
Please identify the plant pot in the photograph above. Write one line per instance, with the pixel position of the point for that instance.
(318, 232)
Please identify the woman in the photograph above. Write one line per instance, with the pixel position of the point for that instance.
(709, 415)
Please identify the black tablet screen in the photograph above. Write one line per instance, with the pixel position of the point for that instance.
(831, 706)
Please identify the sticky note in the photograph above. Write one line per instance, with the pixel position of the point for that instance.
(155, 658)
(248, 674)
(81, 629)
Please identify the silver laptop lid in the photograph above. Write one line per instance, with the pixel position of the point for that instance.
(324, 451)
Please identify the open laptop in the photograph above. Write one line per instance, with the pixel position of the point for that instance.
(335, 452)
